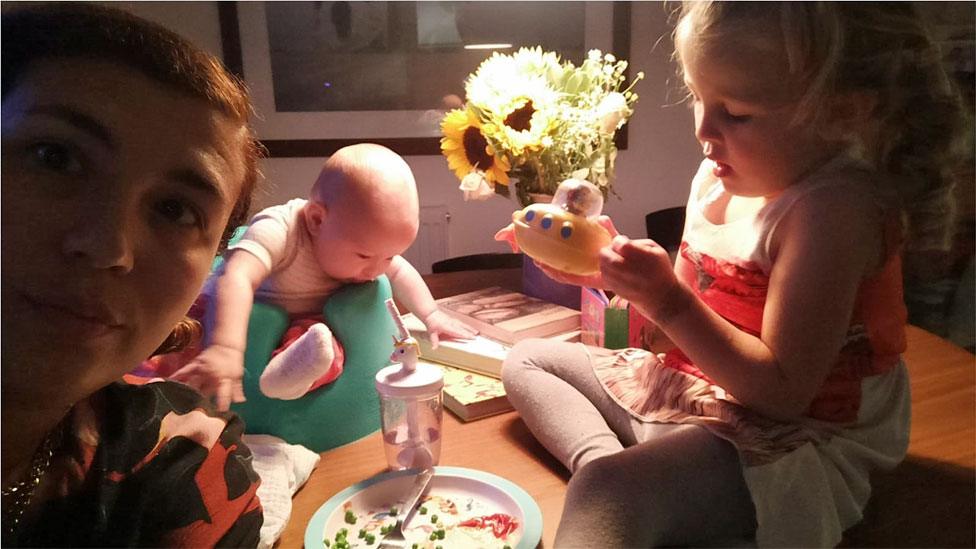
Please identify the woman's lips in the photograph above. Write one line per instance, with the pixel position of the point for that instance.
(87, 320)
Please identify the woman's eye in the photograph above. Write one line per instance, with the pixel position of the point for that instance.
(178, 212)
(56, 157)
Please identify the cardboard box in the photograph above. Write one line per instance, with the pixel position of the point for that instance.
(612, 323)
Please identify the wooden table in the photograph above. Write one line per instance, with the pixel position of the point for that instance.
(942, 455)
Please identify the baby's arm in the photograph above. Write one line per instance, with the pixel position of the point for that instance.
(823, 250)
(218, 370)
(409, 288)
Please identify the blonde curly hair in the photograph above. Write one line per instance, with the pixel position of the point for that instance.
(883, 48)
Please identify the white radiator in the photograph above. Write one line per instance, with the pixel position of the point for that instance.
(431, 242)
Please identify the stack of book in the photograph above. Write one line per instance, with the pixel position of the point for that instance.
(473, 367)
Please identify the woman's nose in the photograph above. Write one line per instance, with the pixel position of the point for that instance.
(100, 237)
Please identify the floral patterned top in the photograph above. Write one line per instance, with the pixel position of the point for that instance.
(146, 465)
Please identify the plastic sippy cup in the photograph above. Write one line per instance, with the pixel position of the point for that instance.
(410, 406)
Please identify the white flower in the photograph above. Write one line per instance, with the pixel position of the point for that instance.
(475, 186)
(612, 111)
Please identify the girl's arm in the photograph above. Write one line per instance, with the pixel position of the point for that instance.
(822, 251)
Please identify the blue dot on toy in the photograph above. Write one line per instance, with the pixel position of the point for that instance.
(566, 230)
(546, 222)
(530, 215)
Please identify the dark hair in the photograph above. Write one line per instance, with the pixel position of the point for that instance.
(82, 30)
(89, 31)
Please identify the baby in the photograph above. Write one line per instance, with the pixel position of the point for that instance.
(362, 212)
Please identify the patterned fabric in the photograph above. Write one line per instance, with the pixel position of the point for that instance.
(654, 391)
(147, 465)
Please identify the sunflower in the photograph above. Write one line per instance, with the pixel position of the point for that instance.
(526, 122)
(534, 61)
(501, 81)
(467, 149)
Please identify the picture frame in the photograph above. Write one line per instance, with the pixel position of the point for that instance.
(321, 133)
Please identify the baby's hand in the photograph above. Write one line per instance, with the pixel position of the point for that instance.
(216, 372)
(439, 322)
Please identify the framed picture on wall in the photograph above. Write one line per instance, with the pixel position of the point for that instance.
(324, 75)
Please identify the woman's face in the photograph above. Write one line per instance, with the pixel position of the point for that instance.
(116, 189)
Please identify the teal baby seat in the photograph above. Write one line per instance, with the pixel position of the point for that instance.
(342, 411)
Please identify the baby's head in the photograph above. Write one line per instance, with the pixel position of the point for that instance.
(362, 211)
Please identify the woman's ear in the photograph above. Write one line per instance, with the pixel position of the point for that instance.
(315, 215)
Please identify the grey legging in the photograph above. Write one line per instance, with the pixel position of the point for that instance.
(634, 483)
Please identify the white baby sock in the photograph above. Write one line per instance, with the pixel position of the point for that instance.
(292, 372)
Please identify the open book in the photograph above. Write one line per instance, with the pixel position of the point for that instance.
(479, 354)
(508, 316)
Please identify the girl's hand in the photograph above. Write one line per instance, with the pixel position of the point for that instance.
(440, 323)
(640, 271)
(589, 281)
(217, 372)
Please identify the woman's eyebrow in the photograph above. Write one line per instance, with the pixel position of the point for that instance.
(194, 179)
(79, 120)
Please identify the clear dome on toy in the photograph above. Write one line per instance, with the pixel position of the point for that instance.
(579, 197)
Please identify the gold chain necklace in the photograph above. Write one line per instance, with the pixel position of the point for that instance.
(17, 496)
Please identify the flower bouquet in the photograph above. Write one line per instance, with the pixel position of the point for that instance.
(532, 120)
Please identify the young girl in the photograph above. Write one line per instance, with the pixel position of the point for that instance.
(822, 125)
